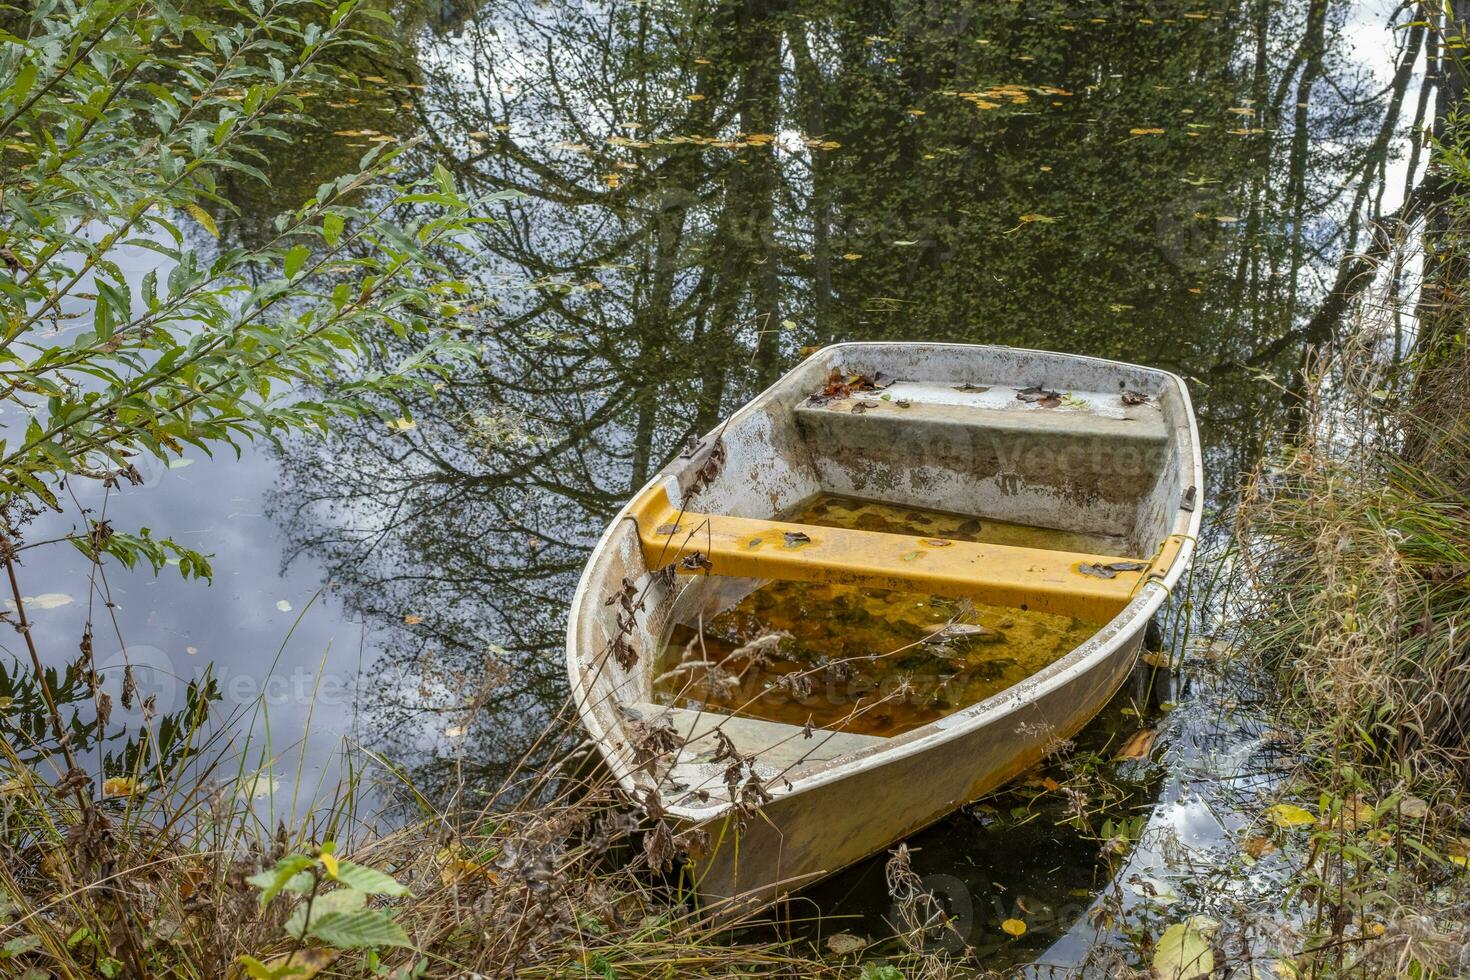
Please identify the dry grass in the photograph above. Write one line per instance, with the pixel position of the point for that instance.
(1357, 539)
(156, 884)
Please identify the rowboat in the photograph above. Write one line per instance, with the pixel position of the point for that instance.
(1039, 503)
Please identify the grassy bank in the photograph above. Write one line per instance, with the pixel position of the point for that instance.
(173, 875)
(1356, 536)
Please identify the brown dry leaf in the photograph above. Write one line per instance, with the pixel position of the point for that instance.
(1139, 745)
(844, 943)
(1257, 846)
(412, 619)
(1037, 394)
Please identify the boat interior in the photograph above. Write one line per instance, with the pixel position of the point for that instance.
(888, 536)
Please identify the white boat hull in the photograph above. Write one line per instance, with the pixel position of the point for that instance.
(835, 798)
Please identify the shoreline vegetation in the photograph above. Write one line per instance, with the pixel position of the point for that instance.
(139, 851)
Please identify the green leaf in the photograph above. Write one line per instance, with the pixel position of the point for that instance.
(332, 229)
(295, 259)
(18, 945)
(273, 880)
(368, 880)
(328, 903)
(359, 930)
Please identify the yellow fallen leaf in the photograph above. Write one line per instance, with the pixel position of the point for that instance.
(455, 868)
(412, 619)
(1149, 131)
(301, 964)
(1184, 951)
(1290, 815)
(1013, 927)
(401, 424)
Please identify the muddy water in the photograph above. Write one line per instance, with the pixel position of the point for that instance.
(872, 661)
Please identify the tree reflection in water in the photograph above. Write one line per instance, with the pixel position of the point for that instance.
(705, 189)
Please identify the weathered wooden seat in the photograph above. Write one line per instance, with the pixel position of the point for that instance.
(1091, 587)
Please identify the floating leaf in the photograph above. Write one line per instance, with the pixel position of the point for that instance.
(1013, 927)
(1184, 952)
(1257, 846)
(46, 600)
(1290, 815)
(1139, 745)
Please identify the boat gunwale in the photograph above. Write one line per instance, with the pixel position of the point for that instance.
(1121, 629)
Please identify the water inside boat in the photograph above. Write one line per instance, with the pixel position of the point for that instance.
(862, 660)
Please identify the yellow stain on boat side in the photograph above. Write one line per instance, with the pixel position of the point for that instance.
(996, 574)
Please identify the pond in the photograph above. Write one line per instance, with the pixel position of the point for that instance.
(688, 197)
